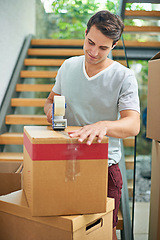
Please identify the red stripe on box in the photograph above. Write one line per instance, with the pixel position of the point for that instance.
(79, 151)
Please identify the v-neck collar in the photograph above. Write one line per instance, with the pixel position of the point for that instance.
(96, 75)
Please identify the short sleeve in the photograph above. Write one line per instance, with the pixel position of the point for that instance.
(128, 97)
(57, 87)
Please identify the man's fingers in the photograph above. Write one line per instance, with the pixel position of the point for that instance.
(74, 133)
(91, 137)
(89, 132)
(100, 136)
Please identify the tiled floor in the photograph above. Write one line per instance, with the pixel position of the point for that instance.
(141, 223)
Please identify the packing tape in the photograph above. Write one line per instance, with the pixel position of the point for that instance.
(59, 105)
(72, 165)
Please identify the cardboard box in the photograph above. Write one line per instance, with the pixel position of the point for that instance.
(154, 222)
(153, 113)
(18, 224)
(10, 178)
(62, 176)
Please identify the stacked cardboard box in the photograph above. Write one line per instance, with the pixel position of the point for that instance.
(60, 177)
(153, 132)
(18, 224)
(10, 177)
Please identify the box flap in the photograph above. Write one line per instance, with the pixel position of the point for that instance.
(157, 56)
(16, 204)
(9, 166)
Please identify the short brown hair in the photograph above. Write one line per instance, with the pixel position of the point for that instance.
(108, 23)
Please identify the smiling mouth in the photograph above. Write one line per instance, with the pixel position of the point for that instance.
(92, 56)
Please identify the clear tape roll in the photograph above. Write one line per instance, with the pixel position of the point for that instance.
(59, 105)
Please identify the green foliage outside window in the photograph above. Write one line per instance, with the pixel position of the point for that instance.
(72, 16)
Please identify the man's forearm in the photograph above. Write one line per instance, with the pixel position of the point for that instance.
(128, 125)
(122, 128)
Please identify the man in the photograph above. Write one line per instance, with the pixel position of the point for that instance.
(101, 96)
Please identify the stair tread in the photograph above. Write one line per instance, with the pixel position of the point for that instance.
(52, 61)
(28, 102)
(141, 29)
(130, 183)
(55, 52)
(129, 142)
(120, 220)
(11, 138)
(118, 53)
(129, 161)
(11, 156)
(34, 87)
(134, 43)
(142, 13)
(57, 42)
(38, 74)
(130, 187)
(43, 62)
(26, 119)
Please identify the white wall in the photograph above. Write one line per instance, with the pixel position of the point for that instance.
(17, 20)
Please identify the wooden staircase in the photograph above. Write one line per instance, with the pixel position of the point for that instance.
(49, 54)
(139, 49)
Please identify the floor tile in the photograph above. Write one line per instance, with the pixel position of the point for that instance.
(141, 237)
(141, 219)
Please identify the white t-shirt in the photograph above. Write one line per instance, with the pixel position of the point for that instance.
(97, 98)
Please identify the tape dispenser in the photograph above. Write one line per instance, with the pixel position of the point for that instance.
(58, 112)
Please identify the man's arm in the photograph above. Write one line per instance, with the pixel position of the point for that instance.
(128, 125)
(48, 106)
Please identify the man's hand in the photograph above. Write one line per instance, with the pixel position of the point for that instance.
(49, 115)
(48, 106)
(128, 125)
(89, 132)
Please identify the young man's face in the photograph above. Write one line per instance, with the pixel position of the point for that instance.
(96, 46)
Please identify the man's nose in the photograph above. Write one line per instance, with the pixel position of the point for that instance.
(94, 51)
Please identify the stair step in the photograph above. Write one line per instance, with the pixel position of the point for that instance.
(28, 102)
(38, 74)
(142, 14)
(11, 138)
(43, 62)
(130, 187)
(51, 62)
(11, 156)
(129, 161)
(120, 220)
(123, 62)
(147, 29)
(34, 87)
(55, 52)
(132, 43)
(129, 142)
(26, 119)
(57, 42)
(118, 53)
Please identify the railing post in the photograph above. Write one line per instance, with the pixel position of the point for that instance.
(126, 233)
(5, 107)
(122, 6)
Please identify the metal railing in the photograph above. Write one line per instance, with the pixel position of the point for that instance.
(5, 107)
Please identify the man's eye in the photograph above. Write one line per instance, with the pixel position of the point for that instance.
(90, 43)
(104, 48)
